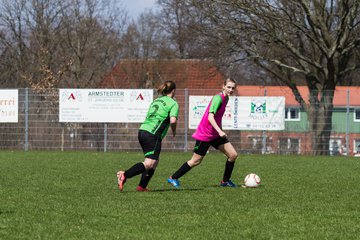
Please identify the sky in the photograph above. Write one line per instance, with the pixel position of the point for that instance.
(135, 7)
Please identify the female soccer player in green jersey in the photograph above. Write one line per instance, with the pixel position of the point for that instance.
(162, 114)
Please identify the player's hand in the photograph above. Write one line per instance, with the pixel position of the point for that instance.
(222, 134)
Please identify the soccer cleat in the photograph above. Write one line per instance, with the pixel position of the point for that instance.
(174, 182)
(141, 189)
(229, 183)
(121, 179)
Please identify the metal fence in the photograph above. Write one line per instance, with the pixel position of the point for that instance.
(38, 128)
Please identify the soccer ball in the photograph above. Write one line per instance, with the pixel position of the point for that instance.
(252, 180)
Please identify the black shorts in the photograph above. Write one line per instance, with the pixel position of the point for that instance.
(150, 144)
(201, 147)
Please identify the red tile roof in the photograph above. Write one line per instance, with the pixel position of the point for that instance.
(190, 73)
(340, 96)
(202, 74)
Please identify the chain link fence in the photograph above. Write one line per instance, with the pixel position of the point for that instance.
(38, 128)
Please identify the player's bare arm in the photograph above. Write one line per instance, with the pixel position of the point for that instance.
(213, 123)
(173, 124)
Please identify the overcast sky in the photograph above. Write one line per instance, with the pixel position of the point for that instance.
(135, 7)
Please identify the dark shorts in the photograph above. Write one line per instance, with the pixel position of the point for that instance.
(150, 144)
(201, 147)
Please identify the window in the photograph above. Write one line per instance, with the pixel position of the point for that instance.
(357, 146)
(357, 115)
(289, 146)
(293, 114)
(255, 144)
(259, 145)
(336, 147)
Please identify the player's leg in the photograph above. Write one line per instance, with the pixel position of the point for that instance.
(200, 150)
(148, 165)
(229, 150)
(187, 166)
(151, 146)
(122, 176)
(147, 175)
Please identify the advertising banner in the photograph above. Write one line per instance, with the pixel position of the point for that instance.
(243, 113)
(104, 105)
(9, 105)
(197, 107)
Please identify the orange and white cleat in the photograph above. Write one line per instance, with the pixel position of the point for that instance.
(121, 179)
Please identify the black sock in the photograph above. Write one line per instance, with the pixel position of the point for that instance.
(229, 166)
(145, 177)
(181, 171)
(135, 170)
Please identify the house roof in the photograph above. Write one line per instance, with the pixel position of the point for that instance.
(343, 95)
(202, 74)
(138, 73)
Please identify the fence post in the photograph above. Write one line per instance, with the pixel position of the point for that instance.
(105, 137)
(347, 121)
(26, 145)
(263, 151)
(186, 120)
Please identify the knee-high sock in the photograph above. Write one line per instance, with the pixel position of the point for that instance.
(181, 171)
(135, 170)
(145, 177)
(229, 166)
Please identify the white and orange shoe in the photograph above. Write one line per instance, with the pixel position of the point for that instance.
(121, 179)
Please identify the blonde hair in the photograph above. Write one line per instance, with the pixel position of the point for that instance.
(166, 88)
(229, 80)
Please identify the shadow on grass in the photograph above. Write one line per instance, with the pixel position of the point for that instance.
(239, 186)
(196, 189)
(178, 190)
(3, 212)
(167, 190)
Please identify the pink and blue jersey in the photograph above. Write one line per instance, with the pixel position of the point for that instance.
(205, 132)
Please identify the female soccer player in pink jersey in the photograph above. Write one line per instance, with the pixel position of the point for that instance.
(209, 133)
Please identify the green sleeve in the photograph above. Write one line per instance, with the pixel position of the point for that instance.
(174, 112)
(215, 104)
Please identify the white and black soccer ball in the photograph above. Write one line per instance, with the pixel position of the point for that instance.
(252, 180)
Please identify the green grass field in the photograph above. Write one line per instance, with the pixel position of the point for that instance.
(74, 195)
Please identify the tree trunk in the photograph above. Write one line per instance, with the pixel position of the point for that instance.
(320, 121)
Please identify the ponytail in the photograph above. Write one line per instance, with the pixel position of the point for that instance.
(166, 88)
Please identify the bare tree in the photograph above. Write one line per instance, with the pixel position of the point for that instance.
(13, 42)
(145, 39)
(316, 41)
(144, 43)
(179, 25)
(91, 40)
(72, 43)
(153, 40)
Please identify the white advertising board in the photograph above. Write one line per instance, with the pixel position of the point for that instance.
(243, 113)
(9, 105)
(104, 105)
(197, 107)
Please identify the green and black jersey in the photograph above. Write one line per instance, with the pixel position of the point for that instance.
(157, 119)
